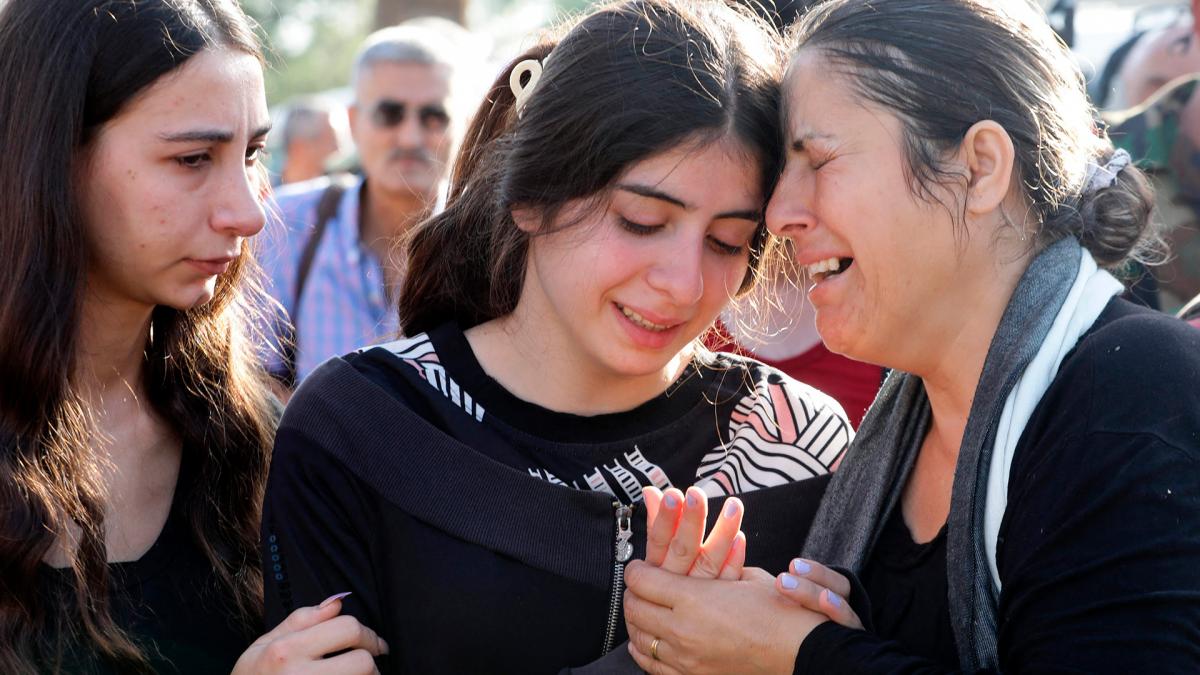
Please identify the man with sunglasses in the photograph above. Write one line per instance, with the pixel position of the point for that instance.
(337, 273)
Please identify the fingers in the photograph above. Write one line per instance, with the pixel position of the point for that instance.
(732, 571)
(650, 665)
(821, 575)
(718, 546)
(685, 545)
(644, 650)
(357, 662)
(651, 497)
(838, 609)
(818, 598)
(305, 617)
(646, 616)
(658, 536)
(333, 635)
(342, 633)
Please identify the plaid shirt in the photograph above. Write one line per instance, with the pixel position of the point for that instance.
(344, 305)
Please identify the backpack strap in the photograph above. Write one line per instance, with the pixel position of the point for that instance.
(326, 210)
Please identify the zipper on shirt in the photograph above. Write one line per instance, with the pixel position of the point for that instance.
(622, 552)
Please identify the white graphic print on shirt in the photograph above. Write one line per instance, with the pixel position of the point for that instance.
(778, 434)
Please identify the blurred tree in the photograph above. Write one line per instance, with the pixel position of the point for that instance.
(389, 12)
(310, 43)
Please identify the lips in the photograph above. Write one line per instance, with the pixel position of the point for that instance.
(647, 329)
(212, 266)
(827, 267)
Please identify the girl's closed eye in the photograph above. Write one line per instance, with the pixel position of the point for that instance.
(725, 248)
(636, 227)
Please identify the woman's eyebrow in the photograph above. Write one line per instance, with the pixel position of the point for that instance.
(801, 141)
(209, 135)
(754, 215)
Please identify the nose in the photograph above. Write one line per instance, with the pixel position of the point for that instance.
(409, 133)
(789, 213)
(239, 204)
(678, 273)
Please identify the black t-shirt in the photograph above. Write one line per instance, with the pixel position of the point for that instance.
(169, 602)
(476, 530)
(906, 582)
(727, 424)
(1099, 549)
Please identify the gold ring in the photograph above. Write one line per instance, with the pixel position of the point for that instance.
(654, 649)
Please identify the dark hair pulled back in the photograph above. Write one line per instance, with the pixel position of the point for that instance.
(629, 80)
(943, 65)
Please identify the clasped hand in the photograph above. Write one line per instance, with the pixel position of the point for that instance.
(692, 607)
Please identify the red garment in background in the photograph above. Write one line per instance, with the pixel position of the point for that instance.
(851, 383)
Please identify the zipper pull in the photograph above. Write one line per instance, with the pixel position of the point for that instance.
(624, 532)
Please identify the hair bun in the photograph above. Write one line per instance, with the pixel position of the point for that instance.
(1115, 209)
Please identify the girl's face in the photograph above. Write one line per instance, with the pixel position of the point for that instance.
(171, 187)
(624, 291)
(844, 199)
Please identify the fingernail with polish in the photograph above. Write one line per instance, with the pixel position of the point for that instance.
(334, 598)
(670, 501)
(789, 582)
(730, 508)
(834, 599)
(801, 567)
(692, 500)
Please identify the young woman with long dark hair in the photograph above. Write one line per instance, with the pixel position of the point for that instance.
(134, 426)
(478, 483)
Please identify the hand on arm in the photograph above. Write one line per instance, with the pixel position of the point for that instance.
(300, 643)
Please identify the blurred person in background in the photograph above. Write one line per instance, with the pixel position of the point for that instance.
(1162, 134)
(333, 271)
(135, 423)
(311, 137)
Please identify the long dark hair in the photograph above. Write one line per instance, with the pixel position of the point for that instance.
(943, 65)
(627, 81)
(68, 67)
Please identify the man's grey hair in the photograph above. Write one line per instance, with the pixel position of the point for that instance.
(306, 118)
(426, 41)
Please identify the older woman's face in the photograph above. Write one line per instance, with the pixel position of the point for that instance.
(877, 257)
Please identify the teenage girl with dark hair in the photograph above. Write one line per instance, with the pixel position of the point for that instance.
(478, 484)
(134, 429)
(1024, 494)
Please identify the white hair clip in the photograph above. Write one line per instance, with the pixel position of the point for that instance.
(522, 92)
(1101, 177)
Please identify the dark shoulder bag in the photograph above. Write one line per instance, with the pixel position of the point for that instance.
(326, 210)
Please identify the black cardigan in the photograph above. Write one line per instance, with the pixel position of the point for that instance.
(454, 558)
(1099, 549)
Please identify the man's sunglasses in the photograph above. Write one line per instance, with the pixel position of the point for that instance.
(388, 113)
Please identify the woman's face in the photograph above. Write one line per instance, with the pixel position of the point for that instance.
(171, 187)
(844, 200)
(624, 291)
